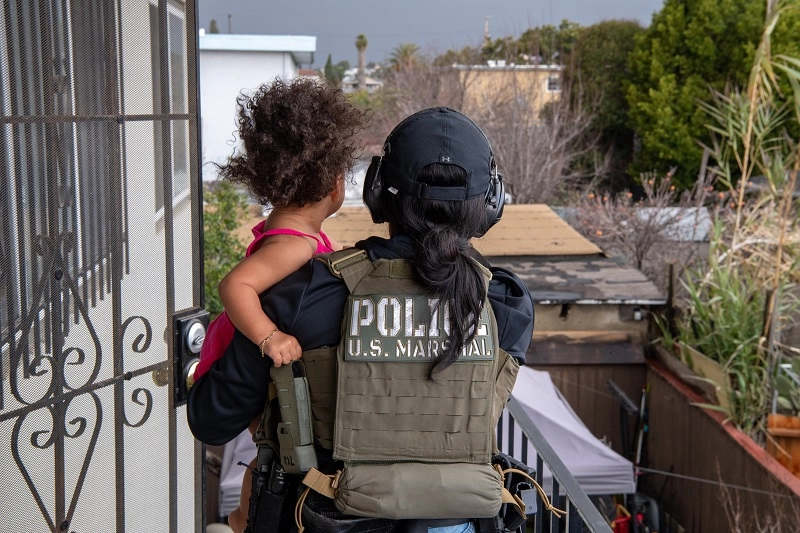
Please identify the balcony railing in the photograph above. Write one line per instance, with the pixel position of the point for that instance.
(581, 515)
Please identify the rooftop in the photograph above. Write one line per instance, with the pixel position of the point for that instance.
(555, 261)
(302, 47)
(525, 230)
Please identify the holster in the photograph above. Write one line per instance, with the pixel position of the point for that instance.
(268, 509)
(273, 493)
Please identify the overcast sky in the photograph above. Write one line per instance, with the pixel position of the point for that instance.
(434, 25)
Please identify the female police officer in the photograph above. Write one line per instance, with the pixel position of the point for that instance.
(414, 301)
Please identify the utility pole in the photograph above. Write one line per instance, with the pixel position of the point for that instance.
(486, 36)
(229, 23)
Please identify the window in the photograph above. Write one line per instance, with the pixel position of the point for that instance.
(59, 155)
(175, 101)
(554, 83)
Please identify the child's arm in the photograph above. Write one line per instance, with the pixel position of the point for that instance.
(277, 257)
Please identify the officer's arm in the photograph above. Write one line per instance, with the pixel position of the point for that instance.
(224, 401)
(513, 309)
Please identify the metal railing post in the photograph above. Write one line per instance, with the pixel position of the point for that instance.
(579, 504)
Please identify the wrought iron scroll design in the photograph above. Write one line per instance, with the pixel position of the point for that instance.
(139, 396)
(63, 403)
(64, 244)
(54, 437)
(53, 250)
(142, 341)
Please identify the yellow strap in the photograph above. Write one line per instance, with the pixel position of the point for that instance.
(500, 471)
(545, 500)
(320, 482)
(514, 500)
(508, 497)
(298, 510)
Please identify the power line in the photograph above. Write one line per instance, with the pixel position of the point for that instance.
(584, 387)
(713, 482)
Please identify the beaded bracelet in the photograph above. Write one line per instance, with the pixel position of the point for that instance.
(265, 341)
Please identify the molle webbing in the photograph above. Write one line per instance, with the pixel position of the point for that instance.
(322, 389)
(388, 408)
(393, 411)
(350, 264)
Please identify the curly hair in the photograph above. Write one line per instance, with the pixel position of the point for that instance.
(299, 137)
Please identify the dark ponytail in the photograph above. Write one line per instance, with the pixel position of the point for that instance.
(443, 258)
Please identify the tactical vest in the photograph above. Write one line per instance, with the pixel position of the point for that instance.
(413, 446)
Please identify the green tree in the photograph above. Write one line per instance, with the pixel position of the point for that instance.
(691, 48)
(212, 27)
(341, 67)
(543, 44)
(500, 48)
(598, 76)
(566, 38)
(223, 211)
(549, 44)
(361, 46)
(753, 262)
(331, 74)
(466, 56)
(405, 56)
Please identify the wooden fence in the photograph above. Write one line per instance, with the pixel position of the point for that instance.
(709, 475)
(706, 475)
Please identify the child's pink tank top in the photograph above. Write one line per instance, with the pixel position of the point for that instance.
(220, 330)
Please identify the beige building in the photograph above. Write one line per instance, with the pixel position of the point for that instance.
(500, 85)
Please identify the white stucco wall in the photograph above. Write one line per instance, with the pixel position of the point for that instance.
(225, 73)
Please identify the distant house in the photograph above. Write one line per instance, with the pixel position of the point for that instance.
(230, 64)
(350, 80)
(311, 73)
(350, 84)
(499, 81)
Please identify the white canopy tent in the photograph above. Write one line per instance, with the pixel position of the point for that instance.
(598, 469)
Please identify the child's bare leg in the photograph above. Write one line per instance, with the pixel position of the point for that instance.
(254, 425)
(238, 517)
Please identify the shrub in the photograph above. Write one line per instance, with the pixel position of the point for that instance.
(224, 209)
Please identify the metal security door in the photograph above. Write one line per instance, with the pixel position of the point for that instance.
(99, 252)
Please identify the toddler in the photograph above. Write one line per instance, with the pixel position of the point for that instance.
(299, 139)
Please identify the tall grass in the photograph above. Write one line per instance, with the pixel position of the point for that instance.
(738, 303)
(723, 319)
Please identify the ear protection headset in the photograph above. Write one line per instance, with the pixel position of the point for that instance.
(376, 185)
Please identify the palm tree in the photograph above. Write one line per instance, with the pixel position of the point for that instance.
(361, 46)
(405, 56)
